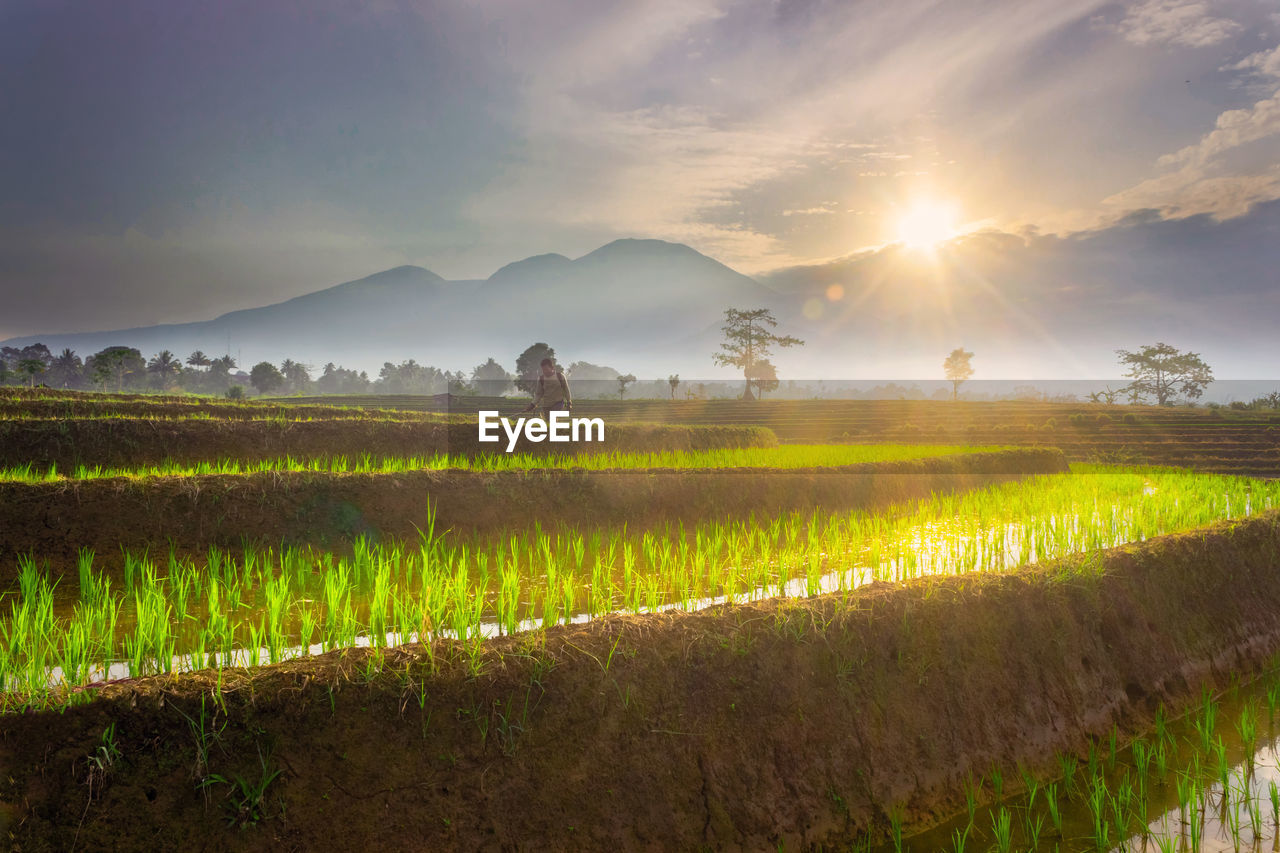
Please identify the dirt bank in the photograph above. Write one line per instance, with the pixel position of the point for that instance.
(131, 442)
(796, 725)
(53, 520)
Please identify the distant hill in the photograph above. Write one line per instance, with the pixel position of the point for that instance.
(623, 302)
(1027, 305)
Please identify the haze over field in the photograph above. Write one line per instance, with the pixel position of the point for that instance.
(1041, 183)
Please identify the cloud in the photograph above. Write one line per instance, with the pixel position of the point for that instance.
(821, 210)
(687, 131)
(1264, 63)
(1175, 22)
(1196, 184)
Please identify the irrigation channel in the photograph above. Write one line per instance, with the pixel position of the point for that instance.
(267, 607)
(1207, 781)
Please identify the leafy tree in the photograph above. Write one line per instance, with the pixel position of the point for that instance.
(40, 352)
(32, 367)
(265, 377)
(339, 380)
(763, 376)
(490, 379)
(591, 380)
(199, 359)
(456, 384)
(528, 366)
(115, 363)
(958, 368)
(623, 382)
(409, 377)
(1163, 372)
(674, 381)
(748, 341)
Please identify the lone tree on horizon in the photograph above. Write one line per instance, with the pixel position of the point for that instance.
(623, 382)
(1164, 372)
(748, 342)
(958, 369)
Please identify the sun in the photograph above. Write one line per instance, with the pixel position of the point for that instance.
(927, 223)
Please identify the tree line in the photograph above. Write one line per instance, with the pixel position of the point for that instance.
(1158, 372)
(120, 368)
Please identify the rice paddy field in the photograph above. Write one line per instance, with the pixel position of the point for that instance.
(1220, 440)
(1034, 659)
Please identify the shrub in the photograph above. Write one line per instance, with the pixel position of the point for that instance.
(1130, 418)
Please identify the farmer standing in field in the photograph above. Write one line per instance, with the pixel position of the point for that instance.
(552, 392)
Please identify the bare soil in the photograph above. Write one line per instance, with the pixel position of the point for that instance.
(795, 725)
(53, 520)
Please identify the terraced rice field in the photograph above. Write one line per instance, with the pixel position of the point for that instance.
(950, 646)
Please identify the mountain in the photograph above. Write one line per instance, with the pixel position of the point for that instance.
(622, 303)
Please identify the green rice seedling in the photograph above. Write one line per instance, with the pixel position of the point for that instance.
(1161, 756)
(959, 839)
(1195, 822)
(1142, 761)
(1034, 829)
(1030, 784)
(1051, 803)
(1247, 726)
(971, 789)
(1002, 830)
(896, 817)
(1233, 819)
(1068, 764)
(1254, 807)
(84, 565)
(1121, 803)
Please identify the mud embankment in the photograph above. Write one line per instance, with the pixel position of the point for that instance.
(53, 520)
(795, 725)
(133, 443)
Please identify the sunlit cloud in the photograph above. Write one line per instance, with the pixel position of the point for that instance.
(1188, 23)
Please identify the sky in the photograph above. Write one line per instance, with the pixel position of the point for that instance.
(168, 161)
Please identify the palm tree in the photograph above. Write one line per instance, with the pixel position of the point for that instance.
(199, 359)
(225, 364)
(164, 366)
(66, 368)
